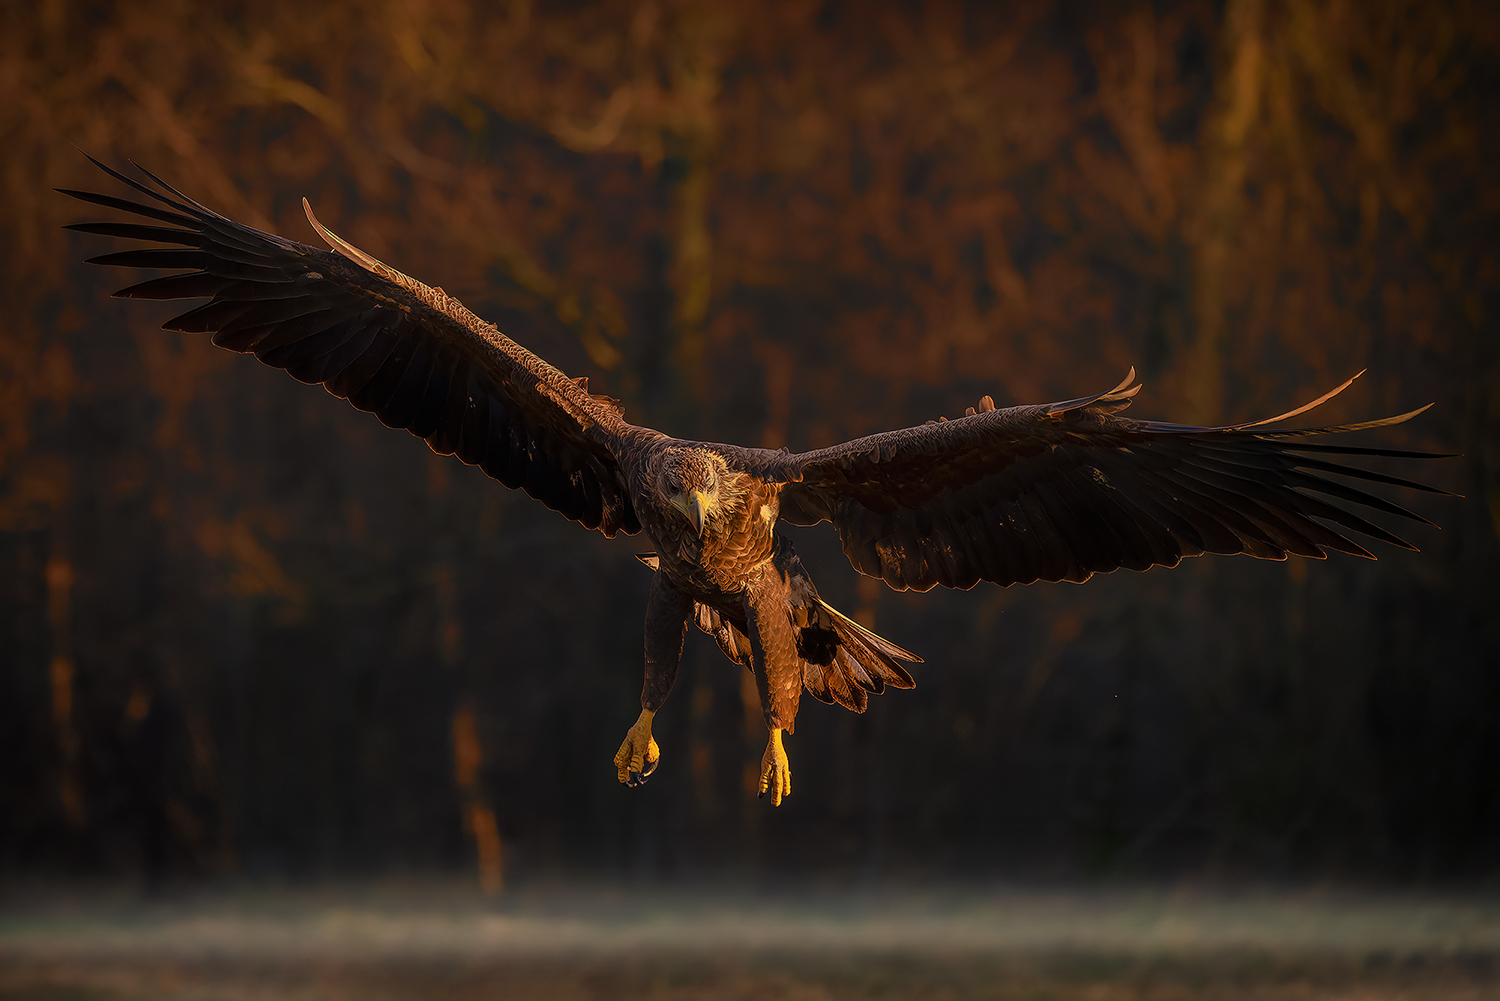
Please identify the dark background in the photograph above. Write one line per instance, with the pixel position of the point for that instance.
(245, 629)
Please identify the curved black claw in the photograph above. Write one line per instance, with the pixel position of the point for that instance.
(639, 778)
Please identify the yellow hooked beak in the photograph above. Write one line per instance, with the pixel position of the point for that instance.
(694, 504)
(698, 509)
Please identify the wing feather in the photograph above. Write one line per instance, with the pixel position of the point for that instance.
(475, 424)
(1066, 490)
(136, 231)
(367, 362)
(341, 340)
(209, 317)
(448, 429)
(406, 389)
(388, 344)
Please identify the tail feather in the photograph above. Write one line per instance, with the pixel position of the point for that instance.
(844, 662)
(815, 682)
(872, 683)
(841, 685)
(879, 643)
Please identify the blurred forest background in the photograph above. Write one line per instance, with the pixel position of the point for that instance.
(245, 629)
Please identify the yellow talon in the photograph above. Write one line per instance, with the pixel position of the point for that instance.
(638, 755)
(775, 770)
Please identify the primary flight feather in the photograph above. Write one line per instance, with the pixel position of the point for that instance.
(1056, 491)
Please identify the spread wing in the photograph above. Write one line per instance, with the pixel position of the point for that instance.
(386, 343)
(1062, 491)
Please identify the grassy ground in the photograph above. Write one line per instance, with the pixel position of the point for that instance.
(568, 944)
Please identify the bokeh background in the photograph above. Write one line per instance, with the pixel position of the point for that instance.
(246, 631)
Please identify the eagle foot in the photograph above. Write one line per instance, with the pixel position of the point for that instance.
(775, 770)
(639, 755)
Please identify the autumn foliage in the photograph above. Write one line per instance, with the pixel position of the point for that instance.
(244, 628)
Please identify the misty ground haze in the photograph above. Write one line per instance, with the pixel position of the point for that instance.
(423, 940)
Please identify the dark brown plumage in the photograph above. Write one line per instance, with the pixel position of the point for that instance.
(1052, 492)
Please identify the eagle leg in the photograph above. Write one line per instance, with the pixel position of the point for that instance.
(778, 675)
(667, 611)
(639, 755)
(775, 770)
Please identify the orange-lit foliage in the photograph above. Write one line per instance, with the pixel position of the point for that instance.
(779, 223)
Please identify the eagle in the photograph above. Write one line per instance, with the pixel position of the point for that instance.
(1053, 491)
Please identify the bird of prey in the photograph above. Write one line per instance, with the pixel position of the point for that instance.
(1056, 491)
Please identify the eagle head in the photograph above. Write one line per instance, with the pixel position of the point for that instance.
(689, 480)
